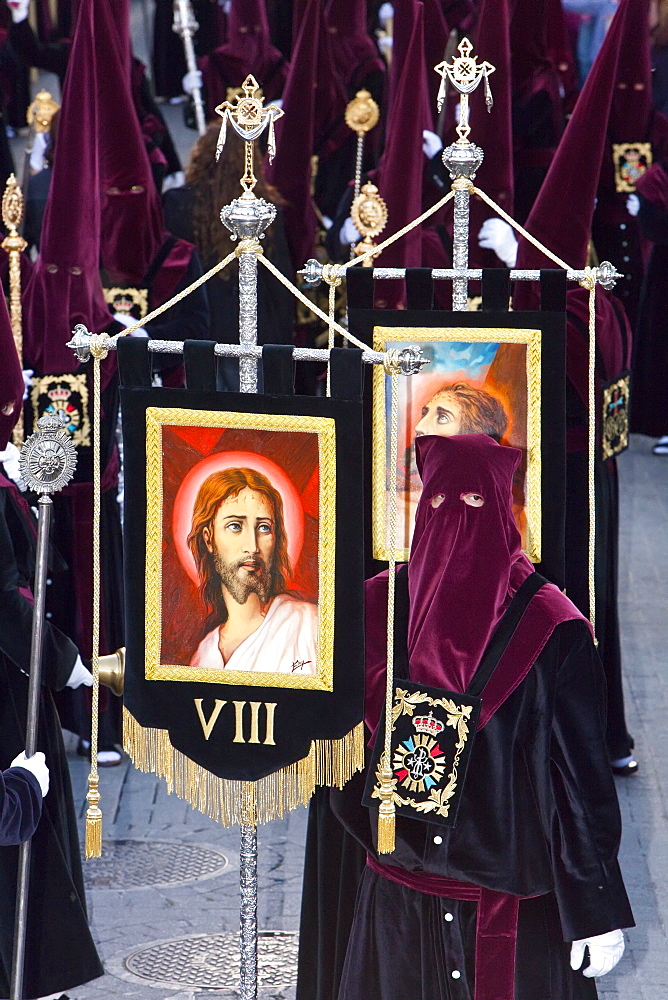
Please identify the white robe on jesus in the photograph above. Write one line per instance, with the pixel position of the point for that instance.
(285, 643)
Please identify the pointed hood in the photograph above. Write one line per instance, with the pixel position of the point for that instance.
(65, 288)
(11, 378)
(401, 166)
(132, 220)
(631, 118)
(436, 34)
(492, 131)
(561, 53)
(248, 49)
(356, 55)
(572, 179)
(314, 102)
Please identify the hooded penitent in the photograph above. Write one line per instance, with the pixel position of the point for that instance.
(401, 167)
(133, 230)
(248, 49)
(436, 34)
(538, 120)
(356, 55)
(314, 102)
(466, 565)
(492, 130)
(64, 288)
(572, 179)
(464, 522)
(11, 379)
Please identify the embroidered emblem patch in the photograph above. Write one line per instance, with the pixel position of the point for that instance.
(615, 417)
(631, 160)
(67, 394)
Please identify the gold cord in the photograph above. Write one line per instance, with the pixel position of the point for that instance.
(520, 229)
(375, 251)
(330, 274)
(93, 844)
(312, 306)
(589, 282)
(387, 782)
(181, 295)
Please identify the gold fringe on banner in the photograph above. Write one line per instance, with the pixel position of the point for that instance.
(330, 762)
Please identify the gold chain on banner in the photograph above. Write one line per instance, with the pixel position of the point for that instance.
(589, 282)
(330, 274)
(93, 844)
(387, 781)
(329, 762)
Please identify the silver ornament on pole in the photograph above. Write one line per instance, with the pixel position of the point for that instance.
(463, 158)
(186, 26)
(47, 462)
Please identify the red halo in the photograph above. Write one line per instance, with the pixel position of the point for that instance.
(293, 514)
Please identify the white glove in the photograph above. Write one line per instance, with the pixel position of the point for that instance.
(349, 233)
(633, 204)
(605, 950)
(126, 321)
(18, 10)
(385, 14)
(497, 235)
(175, 180)
(385, 46)
(37, 766)
(10, 461)
(27, 381)
(40, 144)
(191, 81)
(80, 675)
(431, 143)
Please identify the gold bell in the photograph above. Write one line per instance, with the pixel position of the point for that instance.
(112, 671)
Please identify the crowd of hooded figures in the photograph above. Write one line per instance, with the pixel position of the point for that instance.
(523, 899)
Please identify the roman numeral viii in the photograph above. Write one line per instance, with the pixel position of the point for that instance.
(240, 716)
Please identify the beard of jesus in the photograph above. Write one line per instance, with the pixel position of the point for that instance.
(258, 582)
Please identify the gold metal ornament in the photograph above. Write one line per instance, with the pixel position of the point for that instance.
(465, 74)
(249, 118)
(40, 113)
(14, 245)
(369, 213)
(362, 113)
(631, 160)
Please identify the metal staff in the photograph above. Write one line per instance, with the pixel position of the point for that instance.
(185, 25)
(48, 460)
(247, 218)
(463, 158)
(14, 245)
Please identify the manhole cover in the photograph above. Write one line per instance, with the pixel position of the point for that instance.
(136, 864)
(212, 960)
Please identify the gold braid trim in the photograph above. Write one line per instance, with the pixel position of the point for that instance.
(330, 762)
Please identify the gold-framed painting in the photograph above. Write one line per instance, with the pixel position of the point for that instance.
(631, 160)
(479, 380)
(240, 543)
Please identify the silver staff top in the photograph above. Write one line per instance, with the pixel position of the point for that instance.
(48, 457)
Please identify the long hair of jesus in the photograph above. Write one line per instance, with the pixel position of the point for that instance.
(215, 489)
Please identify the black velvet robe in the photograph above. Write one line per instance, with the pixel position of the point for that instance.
(60, 953)
(539, 817)
(20, 806)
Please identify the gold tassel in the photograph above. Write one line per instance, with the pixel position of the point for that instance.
(93, 848)
(386, 811)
